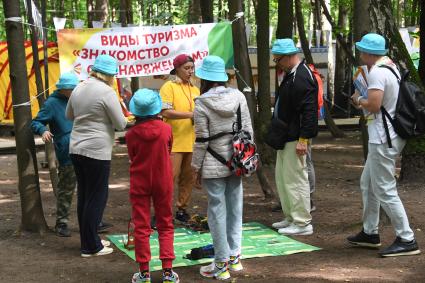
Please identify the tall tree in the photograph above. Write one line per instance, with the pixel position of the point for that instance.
(263, 63)
(361, 26)
(422, 43)
(90, 4)
(244, 76)
(207, 11)
(285, 19)
(194, 15)
(301, 32)
(101, 10)
(341, 63)
(49, 148)
(29, 187)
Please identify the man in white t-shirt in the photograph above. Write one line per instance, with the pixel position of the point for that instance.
(377, 183)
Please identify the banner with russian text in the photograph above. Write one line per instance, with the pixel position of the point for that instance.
(143, 51)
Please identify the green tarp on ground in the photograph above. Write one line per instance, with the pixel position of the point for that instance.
(257, 241)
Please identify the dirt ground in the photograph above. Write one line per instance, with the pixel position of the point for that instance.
(338, 163)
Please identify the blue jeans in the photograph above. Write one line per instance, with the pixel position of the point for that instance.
(225, 205)
(379, 188)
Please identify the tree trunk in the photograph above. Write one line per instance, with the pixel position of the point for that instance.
(48, 148)
(90, 12)
(263, 95)
(244, 75)
(422, 43)
(361, 26)
(29, 187)
(414, 10)
(194, 15)
(341, 66)
(207, 11)
(285, 18)
(301, 31)
(413, 157)
(101, 13)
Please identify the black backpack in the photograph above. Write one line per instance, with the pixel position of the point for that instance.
(409, 118)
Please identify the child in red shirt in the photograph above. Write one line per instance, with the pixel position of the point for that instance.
(149, 145)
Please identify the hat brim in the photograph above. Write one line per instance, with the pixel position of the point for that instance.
(289, 52)
(65, 86)
(211, 76)
(103, 71)
(155, 110)
(365, 49)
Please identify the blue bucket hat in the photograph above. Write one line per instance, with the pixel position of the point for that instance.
(145, 102)
(105, 64)
(67, 81)
(212, 69)
(284, 46)
(372, 43)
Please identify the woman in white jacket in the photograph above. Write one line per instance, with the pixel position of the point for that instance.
(215, 112)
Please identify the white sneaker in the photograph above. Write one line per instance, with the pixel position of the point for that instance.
(104, 251)
(215, 270)
(105, 243)
(297, 230)
(282, 224)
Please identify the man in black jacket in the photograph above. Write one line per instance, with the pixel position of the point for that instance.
(296, 105)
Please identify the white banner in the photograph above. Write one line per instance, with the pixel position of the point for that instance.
(143, 51)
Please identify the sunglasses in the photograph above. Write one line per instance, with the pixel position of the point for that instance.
(277, 59)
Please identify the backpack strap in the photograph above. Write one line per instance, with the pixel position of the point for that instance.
(385, 115)
(214, 137)
(384, 111)
(217, 156)
(239, 118)
(392, 71)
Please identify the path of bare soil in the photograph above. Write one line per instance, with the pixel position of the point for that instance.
(338, 163)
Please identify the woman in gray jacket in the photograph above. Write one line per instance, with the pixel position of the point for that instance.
(96, 112)
(215, 112)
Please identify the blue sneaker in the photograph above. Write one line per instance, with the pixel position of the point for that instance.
(141, 277)
(169, 276)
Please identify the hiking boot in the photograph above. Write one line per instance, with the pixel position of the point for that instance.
(235, 263)
(62, 230)
(103, 226)
(399, 248)
(277, 207)
(217, 270)
(182, 216)
(297, 230)
(169, 276)
(282, 224)
(104, 251)
(364, 240)
(141, 277)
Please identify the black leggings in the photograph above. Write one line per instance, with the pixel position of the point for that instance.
(92, 191)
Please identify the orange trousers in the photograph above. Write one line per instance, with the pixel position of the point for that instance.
(183, 179)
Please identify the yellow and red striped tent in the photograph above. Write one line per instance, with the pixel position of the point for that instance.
(6, 109)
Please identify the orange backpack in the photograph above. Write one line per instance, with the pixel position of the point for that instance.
(318, 77)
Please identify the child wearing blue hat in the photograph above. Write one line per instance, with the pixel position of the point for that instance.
(53, 114)
(149, 145)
